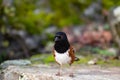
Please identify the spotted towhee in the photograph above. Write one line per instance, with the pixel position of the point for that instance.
(63, 51)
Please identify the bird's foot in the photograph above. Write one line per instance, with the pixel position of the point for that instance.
(71, 75)
(58, 74)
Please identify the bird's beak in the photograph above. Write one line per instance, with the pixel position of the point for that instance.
(56, 39)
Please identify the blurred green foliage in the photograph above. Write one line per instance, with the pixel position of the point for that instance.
(36, 15)
(2, 56)
(110, 3)
(106, 52)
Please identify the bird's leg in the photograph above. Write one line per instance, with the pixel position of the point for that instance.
(71, 72)
(59, 72)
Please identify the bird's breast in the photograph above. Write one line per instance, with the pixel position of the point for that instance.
(63, 58)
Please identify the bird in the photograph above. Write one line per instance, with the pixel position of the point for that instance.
(63, 52)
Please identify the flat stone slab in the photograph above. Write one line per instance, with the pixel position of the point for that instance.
(44, 72)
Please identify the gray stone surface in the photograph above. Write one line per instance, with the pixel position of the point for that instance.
(20, 62)
(44, 72)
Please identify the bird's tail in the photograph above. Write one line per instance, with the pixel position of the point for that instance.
(77, 59)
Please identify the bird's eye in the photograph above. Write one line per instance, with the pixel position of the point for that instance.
(59, 37)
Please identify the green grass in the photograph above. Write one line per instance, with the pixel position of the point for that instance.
(42, 58)
(109, 63)
(48, 59)
(84, 60)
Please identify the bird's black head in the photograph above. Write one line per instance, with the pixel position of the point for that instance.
(60, 36)
(61, 42)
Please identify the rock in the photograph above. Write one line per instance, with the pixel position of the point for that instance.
(31, 73)
(30, 42)
(49, 46)
(93, 62)
(51, 29)
(7, 3)
(5, 64)
(93, 11)
(14, 32)
(116, 12)
(48, 73)
(112, 51)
